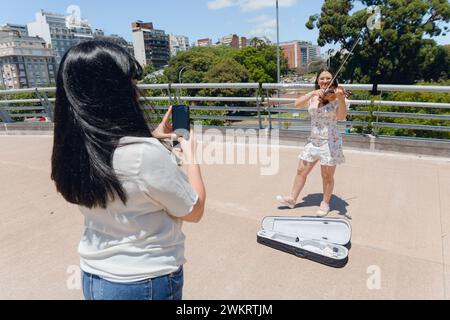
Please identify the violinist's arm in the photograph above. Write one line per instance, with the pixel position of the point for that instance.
(342, 108)
(303, 101)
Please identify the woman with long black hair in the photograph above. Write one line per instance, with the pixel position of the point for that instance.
(131, 192)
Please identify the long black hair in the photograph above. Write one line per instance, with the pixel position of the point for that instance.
(96, 104)
(326, 69)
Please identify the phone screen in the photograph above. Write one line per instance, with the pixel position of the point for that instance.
(181, 121)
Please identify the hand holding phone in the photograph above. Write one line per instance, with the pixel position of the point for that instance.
(181, 121)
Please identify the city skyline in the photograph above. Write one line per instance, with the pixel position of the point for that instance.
(195, 19)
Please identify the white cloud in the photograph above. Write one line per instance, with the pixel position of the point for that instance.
(263, 26)
(248, 5)
(220, 4)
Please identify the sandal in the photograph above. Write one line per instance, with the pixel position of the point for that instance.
(286, 202)
(324, 209)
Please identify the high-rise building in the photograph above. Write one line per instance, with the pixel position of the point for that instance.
(233, 41)
(21, 28)
(206, 42)
(313, 52)
(178, 44)
(61, 31)
(98, 33)
(299, 53)
(151, 46)
(80, 29)
(114, 38)
(25, 61)
(53, 29)
(243, 42)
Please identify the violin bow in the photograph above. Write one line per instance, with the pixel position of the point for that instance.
(344, 62)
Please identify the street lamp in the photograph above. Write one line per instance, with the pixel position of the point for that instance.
(307, 66)
(179, 75)
(2, 84)
(278, 46)
(330, 53)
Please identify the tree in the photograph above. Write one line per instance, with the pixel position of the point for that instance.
(391, 53)
(435, 62)
(148, 69)
(227, 71)
(257, 43)
(316, 65)
(196, 62)
(261, 63)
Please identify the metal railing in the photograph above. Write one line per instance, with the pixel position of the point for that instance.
(271, 111)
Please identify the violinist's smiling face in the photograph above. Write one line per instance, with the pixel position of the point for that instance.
(324, 79)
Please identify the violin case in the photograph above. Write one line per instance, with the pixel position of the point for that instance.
(323, 240)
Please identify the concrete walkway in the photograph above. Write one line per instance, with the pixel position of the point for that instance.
(399, 204)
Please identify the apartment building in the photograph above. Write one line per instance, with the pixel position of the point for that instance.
(25, 61)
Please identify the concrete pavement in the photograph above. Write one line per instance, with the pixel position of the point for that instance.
(399, 205)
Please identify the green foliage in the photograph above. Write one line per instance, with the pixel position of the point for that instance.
(395, 53)
(417, 97)
(260, 64)
(435, 64)
(23, 96)
(438, 97)
(191, 66)
(223, 64)
(152, 115)
(148, 70)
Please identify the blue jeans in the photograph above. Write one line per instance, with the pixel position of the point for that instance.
(168, 287)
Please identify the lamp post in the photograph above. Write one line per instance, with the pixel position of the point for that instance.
(278, 46)
(2, 83)
(179, 75)
(307, 66)
(330, 52)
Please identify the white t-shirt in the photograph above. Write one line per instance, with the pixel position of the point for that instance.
(142, 239)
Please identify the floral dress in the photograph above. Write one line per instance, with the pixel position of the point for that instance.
(325, 142)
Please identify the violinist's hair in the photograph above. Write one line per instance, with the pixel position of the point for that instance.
(335, 82)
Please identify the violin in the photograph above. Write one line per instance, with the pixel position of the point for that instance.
(330, 95)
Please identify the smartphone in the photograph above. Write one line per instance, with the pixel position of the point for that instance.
(181, 121)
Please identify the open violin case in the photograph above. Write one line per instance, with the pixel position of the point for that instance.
(323, 240)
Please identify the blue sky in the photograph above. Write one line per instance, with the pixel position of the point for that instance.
(195, 18)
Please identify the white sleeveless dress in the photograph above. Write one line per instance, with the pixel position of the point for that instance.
(325, 141)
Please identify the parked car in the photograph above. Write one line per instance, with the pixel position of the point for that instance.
(37, 119)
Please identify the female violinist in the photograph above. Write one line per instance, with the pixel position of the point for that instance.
(326, 105)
